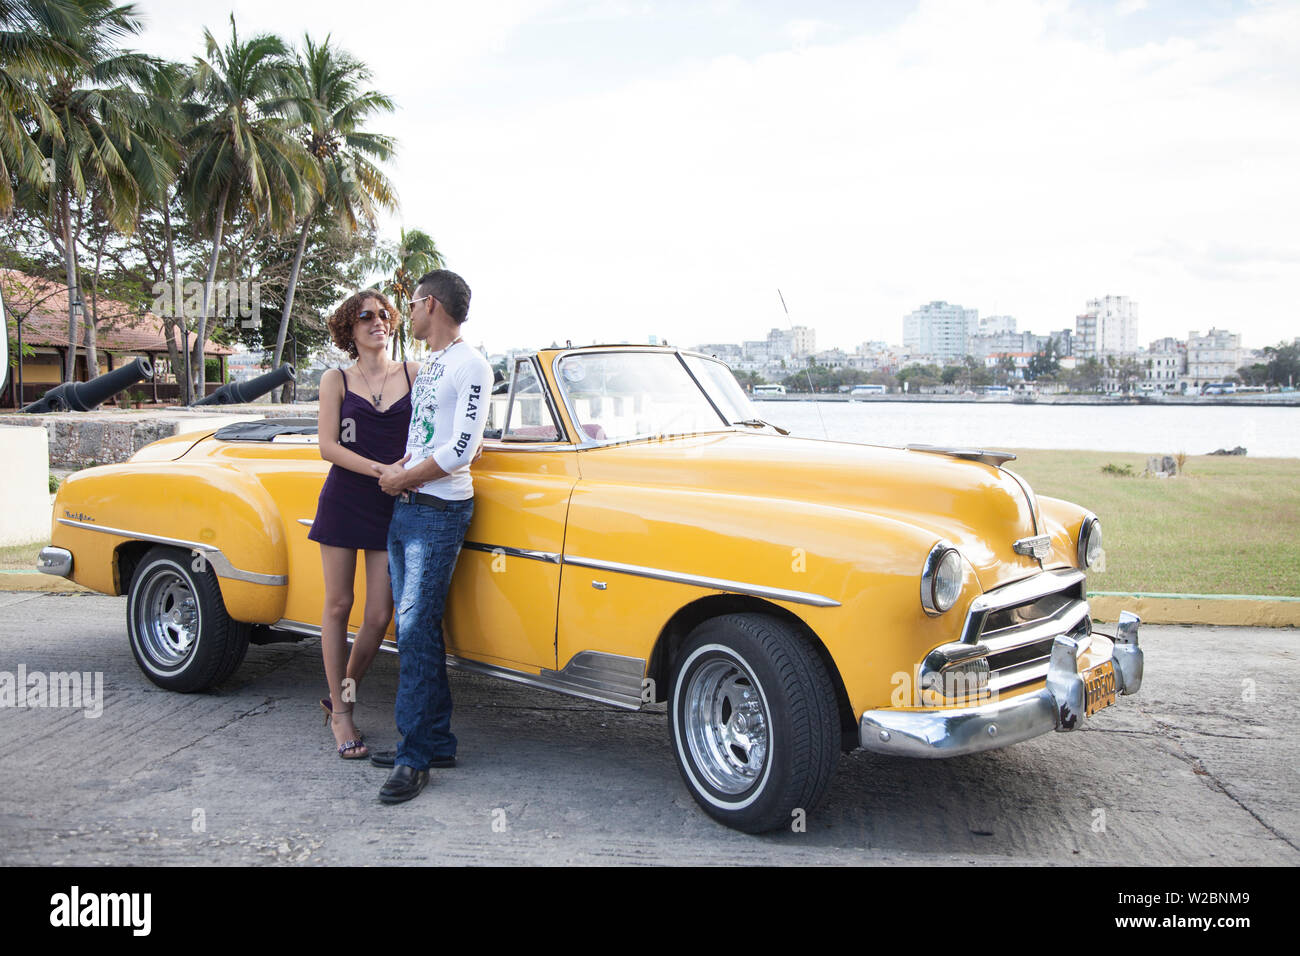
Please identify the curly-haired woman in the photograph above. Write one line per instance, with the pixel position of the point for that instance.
(365, 410)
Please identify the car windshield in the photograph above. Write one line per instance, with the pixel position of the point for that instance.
(722, 388)
(617, 396)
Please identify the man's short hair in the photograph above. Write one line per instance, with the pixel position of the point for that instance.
(449, 289)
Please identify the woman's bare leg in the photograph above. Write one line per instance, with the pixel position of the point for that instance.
(340, 568)
(378, 612)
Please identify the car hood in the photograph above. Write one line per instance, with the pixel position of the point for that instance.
(977, 507)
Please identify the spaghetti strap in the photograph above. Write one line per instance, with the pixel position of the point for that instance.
(407, 372)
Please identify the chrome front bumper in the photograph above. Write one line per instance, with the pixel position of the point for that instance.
(55, 561)
(1058, 706)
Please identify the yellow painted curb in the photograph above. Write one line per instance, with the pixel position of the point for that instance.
(36, 581)
(1232, 612)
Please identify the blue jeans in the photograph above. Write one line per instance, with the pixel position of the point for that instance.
(423, 544)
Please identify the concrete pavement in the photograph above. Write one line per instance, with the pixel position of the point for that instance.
(1200, 768)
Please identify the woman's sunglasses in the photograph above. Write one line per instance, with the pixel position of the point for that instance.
(366, 315)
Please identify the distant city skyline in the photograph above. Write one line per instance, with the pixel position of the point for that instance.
(603, 170)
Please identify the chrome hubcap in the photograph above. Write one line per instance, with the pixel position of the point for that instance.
(168, 618)
(726, 726)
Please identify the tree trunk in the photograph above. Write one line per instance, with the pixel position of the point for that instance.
(202, 332)
(92, 321)
(177, 353)
(288, 306)
(70, 265)
(4, 350)
(88, 323)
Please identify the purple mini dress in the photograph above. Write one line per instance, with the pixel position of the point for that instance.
(353, 511)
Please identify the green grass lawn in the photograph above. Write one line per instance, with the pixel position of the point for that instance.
(20, 556)
(1225, 526)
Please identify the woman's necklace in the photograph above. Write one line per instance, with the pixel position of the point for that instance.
(449, 345)
(375, 397)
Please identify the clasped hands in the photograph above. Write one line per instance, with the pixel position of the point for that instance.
(392, 478)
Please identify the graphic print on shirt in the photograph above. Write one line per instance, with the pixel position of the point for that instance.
(424, 403)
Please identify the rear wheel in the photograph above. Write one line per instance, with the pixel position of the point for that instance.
(180, 633)
(753, 722)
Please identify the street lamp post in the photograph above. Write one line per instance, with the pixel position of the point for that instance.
(186, 396)
(78, 315)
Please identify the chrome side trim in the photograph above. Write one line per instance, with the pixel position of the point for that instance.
(53, 560)
(550, 557)
(717, 584)
(591, 675)
(600, 676)
(299, 627)
(214, 556)
(1019, 592)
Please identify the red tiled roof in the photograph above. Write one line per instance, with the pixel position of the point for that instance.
(121, 328)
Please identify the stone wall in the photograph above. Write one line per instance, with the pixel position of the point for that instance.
(80, 439)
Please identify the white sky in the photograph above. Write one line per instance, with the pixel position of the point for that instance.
(606, 170)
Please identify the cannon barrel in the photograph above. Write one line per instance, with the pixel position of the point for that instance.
(83, 396)
(237, 393)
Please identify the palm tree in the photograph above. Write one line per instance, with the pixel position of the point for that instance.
(168, 117)
(97, 152)
(416, 254)
(241, 147)
(332, 97)
(28, 50)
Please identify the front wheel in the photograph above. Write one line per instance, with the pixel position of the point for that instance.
(753, 722)
(180, 633)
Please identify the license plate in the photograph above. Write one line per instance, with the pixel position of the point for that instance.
(1099, 687)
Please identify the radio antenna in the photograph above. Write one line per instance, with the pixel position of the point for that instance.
(807, 374)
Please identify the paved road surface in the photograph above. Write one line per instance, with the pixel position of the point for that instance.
(1202, 768)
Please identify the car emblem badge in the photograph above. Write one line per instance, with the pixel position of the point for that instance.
(1038, 547)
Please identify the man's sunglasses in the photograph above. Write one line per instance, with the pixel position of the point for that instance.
(421, 299)
(366, 315)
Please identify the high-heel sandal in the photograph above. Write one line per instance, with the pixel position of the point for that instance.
(326, 706)
(352, 749)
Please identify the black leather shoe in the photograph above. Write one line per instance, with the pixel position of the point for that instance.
(386, 758)
(403, 784)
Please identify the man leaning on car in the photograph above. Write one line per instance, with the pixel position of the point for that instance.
(433, 510)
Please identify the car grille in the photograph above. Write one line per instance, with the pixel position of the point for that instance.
(1019, 623)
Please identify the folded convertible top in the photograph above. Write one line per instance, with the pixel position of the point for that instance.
(268, 429)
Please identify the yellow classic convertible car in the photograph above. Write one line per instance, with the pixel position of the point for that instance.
(640, 535)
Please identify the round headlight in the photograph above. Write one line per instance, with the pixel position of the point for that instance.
(1089, 542)
(941, 578)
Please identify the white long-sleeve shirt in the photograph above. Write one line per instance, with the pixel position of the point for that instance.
(449, 408)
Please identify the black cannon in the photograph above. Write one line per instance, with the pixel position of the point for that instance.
(83, 396)
(238, 393)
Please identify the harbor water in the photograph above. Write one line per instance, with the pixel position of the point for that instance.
(1148, 429)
